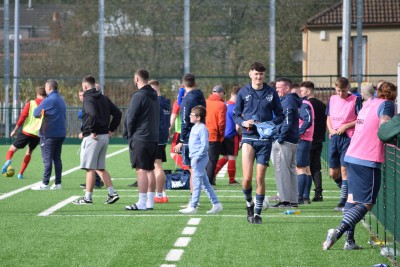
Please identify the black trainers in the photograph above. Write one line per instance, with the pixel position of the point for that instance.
(234, 183)
(318, 198)
(282, 205)
(133, 185)
(294, 205)
(250, 213)
(257, 219)
(112, 199)
(82, 201)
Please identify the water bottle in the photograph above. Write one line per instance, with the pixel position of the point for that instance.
(292, 212)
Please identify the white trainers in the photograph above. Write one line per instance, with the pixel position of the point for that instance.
(353, 246)
(331, 238)
(41, 186)
(215, 209)
(188, 210)
(55, 187)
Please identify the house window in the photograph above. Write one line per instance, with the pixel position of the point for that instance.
(353, 57)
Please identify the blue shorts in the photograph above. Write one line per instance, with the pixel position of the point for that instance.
(303, 153)
(262, 150)
(185, 155)
(337, 149)
(364, 183)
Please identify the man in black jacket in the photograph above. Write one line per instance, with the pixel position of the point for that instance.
(142, 131)
(96, 130)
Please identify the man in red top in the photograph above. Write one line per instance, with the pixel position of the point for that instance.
(215, 122)
(29, 133)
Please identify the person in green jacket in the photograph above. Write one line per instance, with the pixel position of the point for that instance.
(388, 131)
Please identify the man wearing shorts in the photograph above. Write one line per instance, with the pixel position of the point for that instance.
(28, 135)
(342, 111)
(142, 130)
(96, 130)
(256, 99)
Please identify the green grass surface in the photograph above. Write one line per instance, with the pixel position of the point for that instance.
(107, 235)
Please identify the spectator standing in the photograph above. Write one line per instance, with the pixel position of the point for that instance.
(193, 97)
(364, 158)
(28, 135)
(215, 122)
(198, 146)
(342, 111)
(142, 130)
(367, 92)
(306, 132)
(96, 130)
(317, 138)
(285, 146)
(260, 100)
(161, 156)
(52, 134)
(232, 136)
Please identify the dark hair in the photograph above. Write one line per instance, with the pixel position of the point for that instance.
(235, 89)
(143, 74)
(307, 84)
(342, 83)
(89, 79)
(200, 111)
(189, 80)
(287, 81)
(53, 84)
(257, 67)
(387, 91)
(272, 84)
(41, 91)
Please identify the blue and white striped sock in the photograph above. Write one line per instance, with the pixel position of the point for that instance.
(344, 192)
(259, 203)
(351, 218)
(248, 196)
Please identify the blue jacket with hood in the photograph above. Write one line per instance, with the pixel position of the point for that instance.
(288, 130)
(165, 115)
(193, 98)
(264, 104)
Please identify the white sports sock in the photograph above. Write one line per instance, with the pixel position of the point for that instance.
(88, 195)
(150, 200)
(164, 194)
(141, 204)
(159, 195)
(111, 190)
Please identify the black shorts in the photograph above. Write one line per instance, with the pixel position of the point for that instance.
(230, 146)
(142, 154)
(160, 153)
(22, 140)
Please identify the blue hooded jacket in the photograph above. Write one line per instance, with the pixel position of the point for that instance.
(165, 115)
(288, 130)
(193, 98)
(264, 104)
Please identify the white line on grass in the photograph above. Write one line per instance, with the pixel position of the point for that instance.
(174, 255)
(265, 215)
(182, 242)
(22, 189)
(58, 206)
(167, 265)
(189, 230)
(222, 172)
(194, 221)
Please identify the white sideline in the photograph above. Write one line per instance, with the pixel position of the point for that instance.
(174, 255)
(22, 189)
(58, 206)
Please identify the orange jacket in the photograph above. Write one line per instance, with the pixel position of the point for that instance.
(215, 118)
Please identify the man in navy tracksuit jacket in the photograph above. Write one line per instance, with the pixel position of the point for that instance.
(285, 147)
(257, 101)
(52, 134)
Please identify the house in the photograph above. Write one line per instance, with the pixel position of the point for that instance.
(322, 42)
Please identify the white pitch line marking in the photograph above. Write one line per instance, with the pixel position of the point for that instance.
(174, 255)
(223, 171)
(194, 221)
(189, 230)
(22, 189)
(58, 206)
(267, 215)
(182, 242)
(167, 265)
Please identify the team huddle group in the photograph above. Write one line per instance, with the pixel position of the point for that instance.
(280, 121)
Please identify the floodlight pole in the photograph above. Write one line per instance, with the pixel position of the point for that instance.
(272, 40)
(101, 45)
(7, 66)
(346, 29)
(16, 62)
(359, 44)
(186, 64)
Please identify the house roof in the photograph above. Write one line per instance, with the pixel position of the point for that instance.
(38, 16)
(375, 13)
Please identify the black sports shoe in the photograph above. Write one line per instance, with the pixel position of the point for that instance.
(133, 185)
(234, 183)
(257, 219)
(294, 205)
(82, 201)
(318, 198)
(250, 213)
(112, 199)
(282, 205)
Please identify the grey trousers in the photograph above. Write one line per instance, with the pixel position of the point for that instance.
(284, 160)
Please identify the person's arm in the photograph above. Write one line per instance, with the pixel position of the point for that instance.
(116, 116)
(286, 124)
(22, 118)
(203, 135)
(306, 116)
(41, 109)
(131, 115)
(278, 110)
(238, 114)
(221, 123)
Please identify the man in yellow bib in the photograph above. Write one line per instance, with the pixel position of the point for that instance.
(28, 135)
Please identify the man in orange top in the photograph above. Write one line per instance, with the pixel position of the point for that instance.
(29, 133)
(215, 122)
